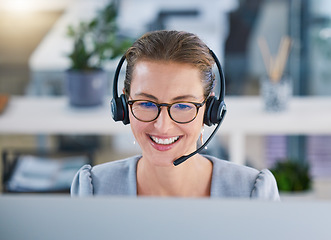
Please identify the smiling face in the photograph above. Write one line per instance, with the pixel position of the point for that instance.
(162, 141)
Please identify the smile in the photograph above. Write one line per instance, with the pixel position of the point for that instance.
(164, 141)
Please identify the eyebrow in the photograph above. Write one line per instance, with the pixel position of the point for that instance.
(184, 97)
(178, 98)
(146, 95)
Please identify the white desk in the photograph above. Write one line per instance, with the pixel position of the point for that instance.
(245, 116)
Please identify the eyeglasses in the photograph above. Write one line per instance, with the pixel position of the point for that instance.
(180, 112)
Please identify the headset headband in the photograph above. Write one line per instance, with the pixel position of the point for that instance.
(219, 67)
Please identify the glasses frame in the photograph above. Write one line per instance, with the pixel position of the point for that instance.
(168, 106)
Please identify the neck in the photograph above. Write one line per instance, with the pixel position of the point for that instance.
(189, 179)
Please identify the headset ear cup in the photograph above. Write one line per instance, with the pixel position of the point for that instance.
(215, 111)
(218, 112)
(119, 108)
(116, 109)
(209, 105)
(124, 101)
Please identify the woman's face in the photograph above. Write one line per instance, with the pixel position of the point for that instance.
(162, 141)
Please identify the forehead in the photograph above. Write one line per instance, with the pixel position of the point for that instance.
(166, 80)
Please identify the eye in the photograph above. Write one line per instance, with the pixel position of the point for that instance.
(146, 105)
(183, 106)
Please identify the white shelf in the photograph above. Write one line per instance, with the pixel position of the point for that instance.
(245, 116)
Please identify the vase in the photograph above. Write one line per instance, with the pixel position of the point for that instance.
(86, 88)
(276, 94)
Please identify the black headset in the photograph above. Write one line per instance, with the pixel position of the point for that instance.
(214, 112)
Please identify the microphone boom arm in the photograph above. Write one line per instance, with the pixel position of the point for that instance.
(185, 157)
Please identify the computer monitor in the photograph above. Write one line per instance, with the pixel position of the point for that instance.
(61, 217)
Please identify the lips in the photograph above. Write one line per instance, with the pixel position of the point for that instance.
(164, 141)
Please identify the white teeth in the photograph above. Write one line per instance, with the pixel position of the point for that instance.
(166, 141)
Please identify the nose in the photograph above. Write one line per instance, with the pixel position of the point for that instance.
(163, 123)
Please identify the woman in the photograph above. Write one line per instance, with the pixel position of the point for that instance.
(168, 79)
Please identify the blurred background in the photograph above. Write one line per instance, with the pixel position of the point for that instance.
(34, 52)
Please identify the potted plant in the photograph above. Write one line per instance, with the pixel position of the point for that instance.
(292, 176)
(94, 43)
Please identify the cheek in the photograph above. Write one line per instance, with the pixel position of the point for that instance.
(200, 116)
(138, 128)
(135, 124)
(196, 126)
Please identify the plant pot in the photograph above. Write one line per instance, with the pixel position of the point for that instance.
(86, 88)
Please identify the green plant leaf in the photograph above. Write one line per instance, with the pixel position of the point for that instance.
(292, 175)
(96, 42)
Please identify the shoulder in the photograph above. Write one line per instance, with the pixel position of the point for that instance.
(115, 178)
(119, 167)
(234, 180)
(265, 186)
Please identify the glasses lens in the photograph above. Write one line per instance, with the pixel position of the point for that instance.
(183, 112)
(144, 110)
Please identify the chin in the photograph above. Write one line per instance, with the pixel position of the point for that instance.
(159, 159)
(164, 155)
(162, 161)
